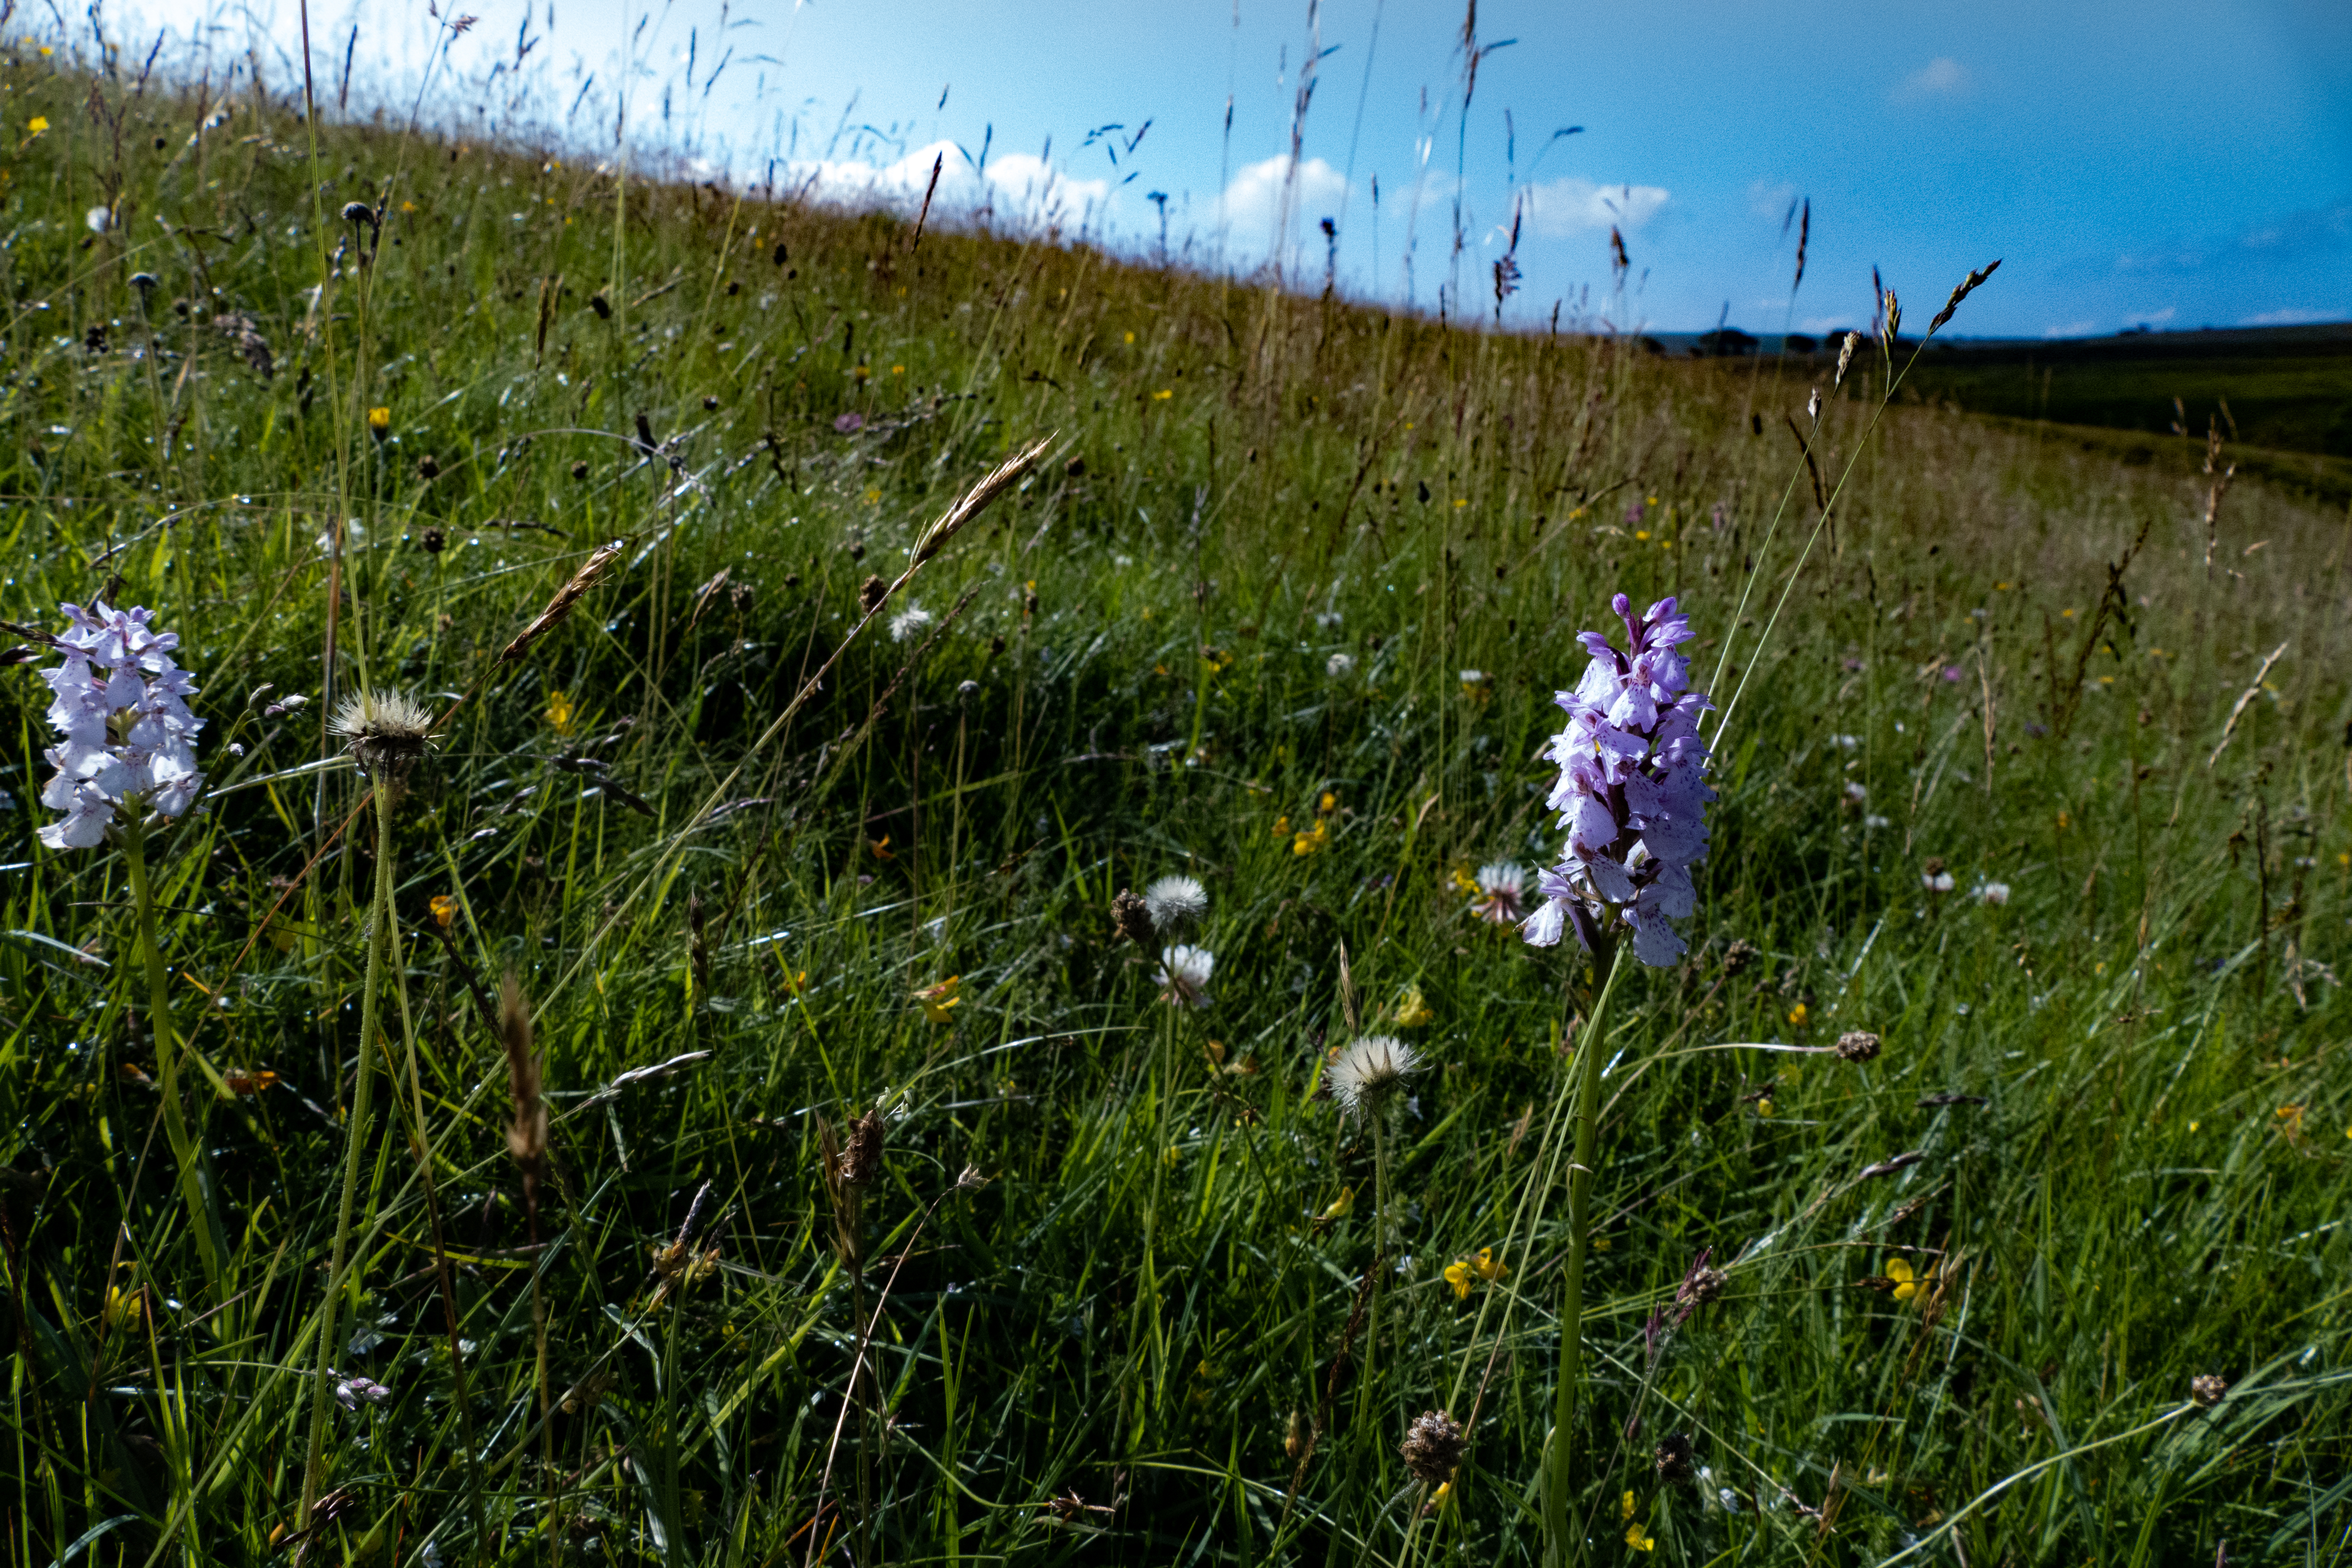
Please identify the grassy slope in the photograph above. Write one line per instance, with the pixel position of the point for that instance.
(1152, 1287)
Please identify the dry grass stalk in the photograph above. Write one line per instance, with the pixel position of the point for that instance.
(527, 1143)
(591, 572)
(1968, 286)
(2217, 486)
(1804, 234)
(975, 500)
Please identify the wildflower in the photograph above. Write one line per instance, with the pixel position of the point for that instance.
(1312, 839)
(445, 910)
(1937, 881)
(1489, 1267)
(1175, 902)
(39, 123)
(559, 713)
(236, 1080)
(1798, 1016)
(1477, 685)
(97, 220)
(1640, 1541)
(1856, 1045)
(1282, 827)
(130, 740)
(1369, 1071)
(1992, 893)
(386, 733)
(1184, 976)
(1341, 1206)
(1413, 1011)
(1633, 791)
(351, 1390)
(1340, 665)
(1873, 821)
(1501, 891)
(379, 421)
(1459, 1275)
(910, 622)
(1325, 803)
(1857, 793)
(2207, 1390)
(125, 1308)
(1432, 1447)
(1907, 1284)
(940, 1001)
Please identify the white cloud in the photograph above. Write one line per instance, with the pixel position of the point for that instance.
(1766, 199)
(1015, 185)
(2293, 316)
(1574, 204)
(1943, 76)
(1819, 324)
(2153, 318)
(1253, 202)
(2082, 329)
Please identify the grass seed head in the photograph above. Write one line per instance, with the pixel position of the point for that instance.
(1846, 356)
(1431, 1447)
(591, 572)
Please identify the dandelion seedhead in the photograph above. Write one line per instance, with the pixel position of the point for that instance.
(386, 733)
(1130, 917)
(129, 741)
(1370, 1071)
(1432, 1447)
(1176, 903)
(2207, 1390)
(1856, 1045)
(1184, 976)
(1631, 792)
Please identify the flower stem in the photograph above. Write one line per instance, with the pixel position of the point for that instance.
(354, 1136)
(185, 1151)
(1559, 1548)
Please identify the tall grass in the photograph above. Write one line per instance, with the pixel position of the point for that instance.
(2108, 1138)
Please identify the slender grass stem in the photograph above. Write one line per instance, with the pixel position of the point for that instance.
(185, 1153)
(354, 1137)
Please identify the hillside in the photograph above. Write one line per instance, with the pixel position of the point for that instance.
(836, 1183)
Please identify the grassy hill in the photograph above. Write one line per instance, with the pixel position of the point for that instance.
(605, 473)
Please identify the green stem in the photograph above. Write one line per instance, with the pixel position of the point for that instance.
(184, 1152)
(354, 1136)
(1559, 1549)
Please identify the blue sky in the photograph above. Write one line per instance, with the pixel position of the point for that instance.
(2170, 164)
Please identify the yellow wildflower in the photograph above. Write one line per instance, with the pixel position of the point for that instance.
(1907, 1284)
(940, 1002)
(39, 123)
(560, 713)
(445, 910)
(1314, 839)
(1797, 1016)
(1327, 805)
(1639, 1541)
(1163, 394)
(1340, 1206)
(1442, 1496)
(1490, 1267)
(1464, 884)
(1130, 337)
(1282, 827)
(1459, 1275)
(1625, 1507)
(1413, 1011)
(125, 1308)
(379, 423)
(1764, 1105)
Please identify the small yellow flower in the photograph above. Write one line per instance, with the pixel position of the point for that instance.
(897, 370)
(940, 1002)
(795, 980)
(1130, 337)
(2290, 1120)
(125, 1308)
(1459, 1275)
(1340, 1206)
(1314, 839)
(46, 53)
(861, 373)
(1163, 394)
(560, 712)
(1489, 1267)
(1625, 1506)
(881, 847)
(1443, 1496)
(1463, 883)
(1642, 533)
(1907, 1284)
(39, 123)
(1639, 1541)
(1798, 1014)
(873, 497)
(1282, 827)
(379, 423)
(1601, 1244)
(1764, 1105)
(445, 910)
(1460, 501)
(409, 206)
(1173, 1158)
(1325, 806)
(1413, 1010)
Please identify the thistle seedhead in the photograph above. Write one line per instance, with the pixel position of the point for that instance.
(1370, 1071)
(387, 734)
(1431, 1447)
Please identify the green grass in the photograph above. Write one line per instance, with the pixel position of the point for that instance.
(1153, 1290)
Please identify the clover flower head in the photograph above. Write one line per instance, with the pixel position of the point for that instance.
(1502, 893)
(1994, 893)
(1369, 1070)
(1631, 792)
(353, 1390)
(1184, 976)
(120, 703)
(1175, 902)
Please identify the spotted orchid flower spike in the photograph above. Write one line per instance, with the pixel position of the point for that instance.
(1632, 794)
(129, 741)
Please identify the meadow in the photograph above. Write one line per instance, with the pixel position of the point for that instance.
(767, 1148)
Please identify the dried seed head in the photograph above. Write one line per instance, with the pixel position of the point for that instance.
(358, 212)
(1968, 286)
(1846, 356)
(1933, 865)
(870, 594)
(1131, 918)
(1703, 1286)
(1894, 318)
(2207, 1390)
(1674, 1456)
(386, 732)
(527, 1134)
(1294, 1433)
(1431, 1447)
(579, 469)
(591, 572)
(433, 541)
(1856, 1045)
(428, 468)
(861, 1162)
(1738, 956)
